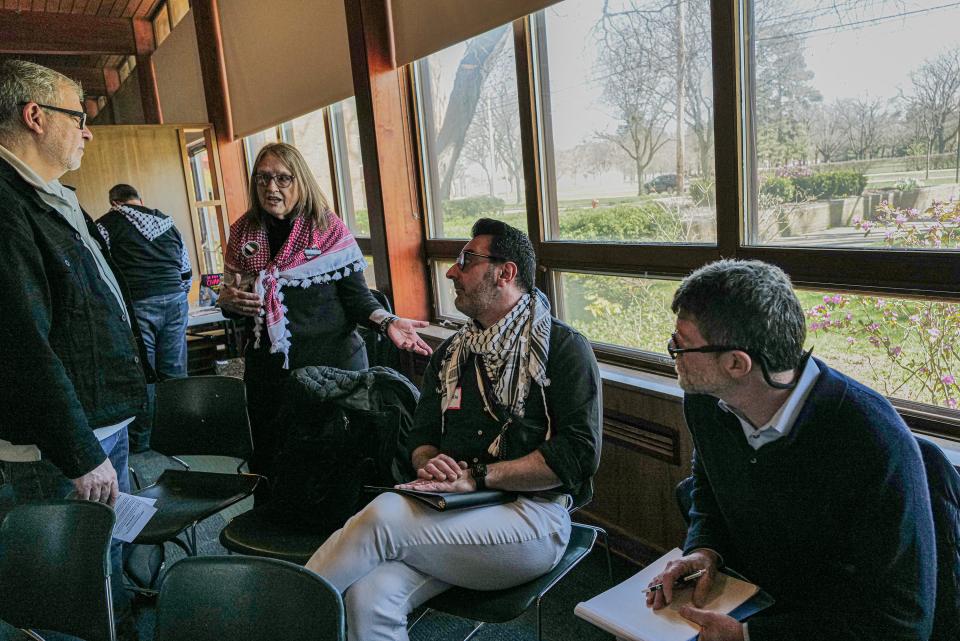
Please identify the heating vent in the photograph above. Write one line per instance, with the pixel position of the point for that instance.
(659, 441)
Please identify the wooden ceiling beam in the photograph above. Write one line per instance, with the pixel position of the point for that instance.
(62, 33)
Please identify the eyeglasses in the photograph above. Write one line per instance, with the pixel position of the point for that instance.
(283, 180)
(462, 261)
(675, 351)
(79, 115)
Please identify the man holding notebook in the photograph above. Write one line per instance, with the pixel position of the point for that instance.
(805, 481)
(509, 402)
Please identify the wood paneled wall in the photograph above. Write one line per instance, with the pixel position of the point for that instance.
(145, 156)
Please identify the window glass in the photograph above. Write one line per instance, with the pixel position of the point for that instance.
(369, 274)
(903, 348)
(200, 168)
(618, 310)
(308, 134)
(470, 132)
(253, 143)
(855, 117)
(178, 9)
(349, 166)
(622, 167)
(211, 244)
(161, 25)
(443, 287)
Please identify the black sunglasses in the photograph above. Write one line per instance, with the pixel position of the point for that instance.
(80, 115)
(675, 351)
(462, 258)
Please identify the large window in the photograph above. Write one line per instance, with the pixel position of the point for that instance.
(470, 134)
(627, 115)
(854, 140)
(659, 136)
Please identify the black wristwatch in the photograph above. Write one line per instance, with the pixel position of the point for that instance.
(385, 323)
(479, 473)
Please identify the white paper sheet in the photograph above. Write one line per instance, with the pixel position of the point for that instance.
(133, 513)
(622, 610)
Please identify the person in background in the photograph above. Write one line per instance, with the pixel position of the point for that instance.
(804, 480)
(71, 368)
(294, 269)
(512, 401)
(151, 256)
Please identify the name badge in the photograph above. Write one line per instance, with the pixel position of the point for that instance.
(311, 252)
(455, 400)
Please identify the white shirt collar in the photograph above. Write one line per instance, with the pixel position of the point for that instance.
(782, 422)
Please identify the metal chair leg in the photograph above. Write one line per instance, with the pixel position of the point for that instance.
(418, 619)
(473, 632)
(606, 546)
(539, 621)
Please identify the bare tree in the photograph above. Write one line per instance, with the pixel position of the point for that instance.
(474, 67)
(637, 70)
(862, 123)
(936, 89)
(825, 132)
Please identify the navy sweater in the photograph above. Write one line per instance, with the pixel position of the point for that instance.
(833, 519)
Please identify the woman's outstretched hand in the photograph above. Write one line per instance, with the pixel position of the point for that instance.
(403, 333)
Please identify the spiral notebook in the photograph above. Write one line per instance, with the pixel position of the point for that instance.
(623, 612)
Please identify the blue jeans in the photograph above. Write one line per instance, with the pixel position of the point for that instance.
(163, 325)
(42, 480)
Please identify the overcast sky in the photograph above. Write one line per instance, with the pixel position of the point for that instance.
(867, 50)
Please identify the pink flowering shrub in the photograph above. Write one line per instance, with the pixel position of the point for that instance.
(910, 346)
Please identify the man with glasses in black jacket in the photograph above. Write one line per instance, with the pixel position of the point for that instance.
(70, 364)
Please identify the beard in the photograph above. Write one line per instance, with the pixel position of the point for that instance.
(473, 303)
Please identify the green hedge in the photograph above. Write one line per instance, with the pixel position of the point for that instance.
(620, 223)
(473, 207)
(819, 186)
(779, 187)
(831, 184)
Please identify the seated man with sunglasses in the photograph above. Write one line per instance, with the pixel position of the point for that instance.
(509, 402)
(805, 481)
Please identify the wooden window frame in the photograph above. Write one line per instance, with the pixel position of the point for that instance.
(907, 273)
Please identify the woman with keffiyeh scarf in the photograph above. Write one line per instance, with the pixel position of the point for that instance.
(294, 269)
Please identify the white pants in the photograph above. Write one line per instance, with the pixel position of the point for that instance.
(397, 554)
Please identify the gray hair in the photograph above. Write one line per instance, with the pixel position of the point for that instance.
(749, 304)
(22, 81)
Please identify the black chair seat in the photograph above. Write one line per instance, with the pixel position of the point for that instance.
(500, 606)
(184, 498)
(252, 534)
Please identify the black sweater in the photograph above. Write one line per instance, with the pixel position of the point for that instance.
(833, 519)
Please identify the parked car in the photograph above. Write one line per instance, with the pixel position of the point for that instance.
(661, 183)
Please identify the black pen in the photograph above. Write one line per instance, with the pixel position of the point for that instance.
(679, 582)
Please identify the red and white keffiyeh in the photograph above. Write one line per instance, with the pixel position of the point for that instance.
(309, 256)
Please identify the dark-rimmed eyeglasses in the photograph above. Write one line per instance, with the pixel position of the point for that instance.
(462, 261)
(81, 116)
(675, 351)
(283, 180)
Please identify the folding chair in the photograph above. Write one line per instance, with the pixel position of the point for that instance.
(500, 606)
(241, 597)
(199, 415)
(55, 568)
